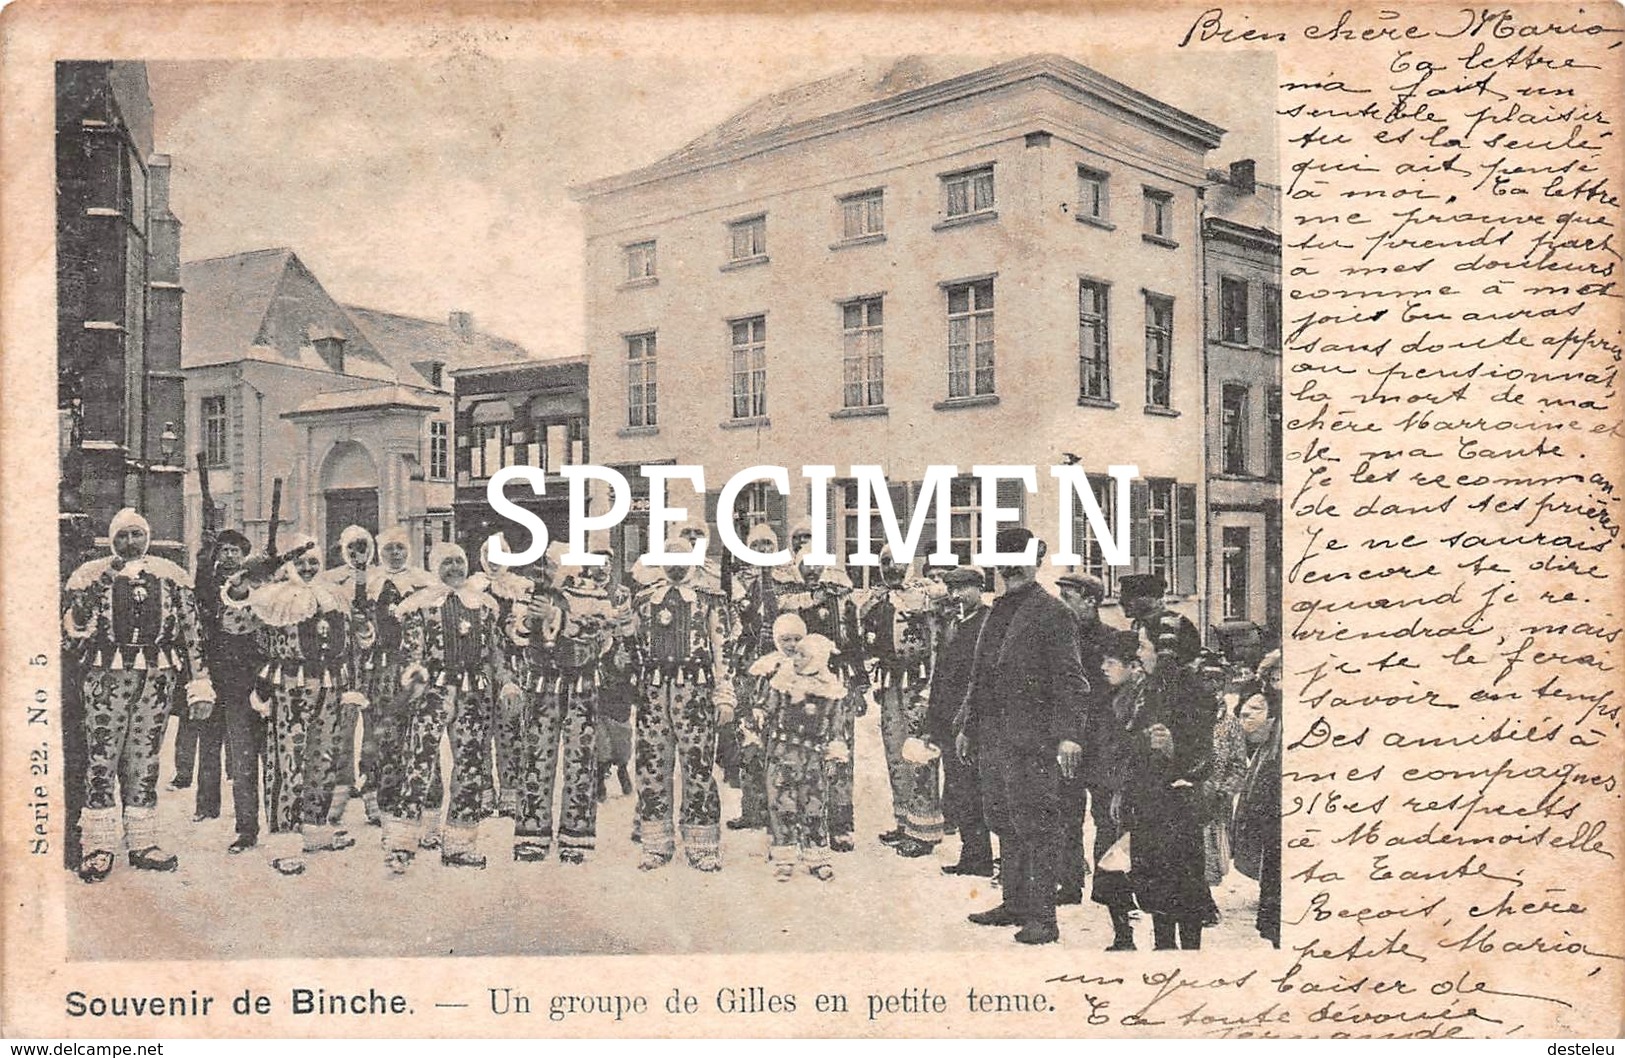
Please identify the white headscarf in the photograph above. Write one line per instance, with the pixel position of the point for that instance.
(128, 518)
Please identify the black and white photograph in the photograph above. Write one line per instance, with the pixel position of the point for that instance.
(307, 309)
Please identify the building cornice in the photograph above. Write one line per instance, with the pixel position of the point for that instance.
(1168, 121)
(1243, 234)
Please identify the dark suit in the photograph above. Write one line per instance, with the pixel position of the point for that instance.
(1027, 695)
(950, 676)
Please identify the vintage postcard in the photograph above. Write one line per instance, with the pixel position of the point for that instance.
(916, 521)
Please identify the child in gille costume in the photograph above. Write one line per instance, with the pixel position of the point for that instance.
(800, 699)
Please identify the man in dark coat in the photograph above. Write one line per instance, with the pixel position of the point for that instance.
(1082, 593)
(961, 617)
(1142, 596)
(232, 651)
(1022, 719)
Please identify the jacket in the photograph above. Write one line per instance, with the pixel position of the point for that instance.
(1028, 690)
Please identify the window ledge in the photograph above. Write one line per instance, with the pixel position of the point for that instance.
(871, 239)
(869, 412)
(966, 218)
(640, 282)
(1239, 476)
(745, 262)
(1097, 402)
(981, 400)
(637, 431)
(1159, 240)
(1095, 222)
(1167, 413)
(753, 422)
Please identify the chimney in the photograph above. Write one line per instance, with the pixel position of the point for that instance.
(1242, 176)
(462, 325)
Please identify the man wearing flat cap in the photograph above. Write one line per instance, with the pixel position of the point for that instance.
(1022, 720)
(960, 618)
(1142, 599)
(232, 650)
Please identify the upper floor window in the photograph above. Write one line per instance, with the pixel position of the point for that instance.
(968, 192)
(1094, 342)
(1159, 214)
(641, 393)
(1271, 311)
(640, 261)
(1091, 193)
(439, 449)
(1233, 310)
(212, 415)
(749, 340)
(1233, 426)
(970, 339)
(747, 239)
(863, 214)
(1159, 351)
(863, 368)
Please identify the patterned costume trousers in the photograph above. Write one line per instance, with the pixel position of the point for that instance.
(299, 782)
(126, 713)
(838, 775)
(796, 810)
(558, 721)
(464, 713)
(510, 746)
(753, 795)
(916, 804)
(678, 720)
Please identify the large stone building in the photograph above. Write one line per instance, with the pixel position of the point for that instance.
(119, 384)
(351, 408)
(1242, 245)
(925, 262)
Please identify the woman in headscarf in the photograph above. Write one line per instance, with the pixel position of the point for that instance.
(1172, 752)
(451, 637)
(134, 619)
(349, 578)
(384, 734)
(1107, 775)
(305, 625)
(1257, 828)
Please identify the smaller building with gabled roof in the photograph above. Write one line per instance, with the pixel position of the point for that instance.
(350, 407)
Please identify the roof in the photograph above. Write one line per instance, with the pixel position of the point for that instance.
(226, 301)
(411, 344)
(372, 398)
(267, 306)
(878, 91)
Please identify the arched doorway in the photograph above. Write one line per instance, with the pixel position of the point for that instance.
(349, 485)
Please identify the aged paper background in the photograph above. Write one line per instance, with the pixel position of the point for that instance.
(1453, 462)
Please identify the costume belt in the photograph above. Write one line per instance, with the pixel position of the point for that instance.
(900, 672)
(556, 678)
(462, 679)
(136, 657)
(692, 670)
(293, 672)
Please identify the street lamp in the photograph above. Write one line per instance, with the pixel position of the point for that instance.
(168, 442)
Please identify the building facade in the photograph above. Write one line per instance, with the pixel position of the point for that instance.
(119, 385)
(350, 408)
(534, 413)
(1242, 255)
(918, 263)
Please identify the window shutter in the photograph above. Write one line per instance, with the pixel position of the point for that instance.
(1139, 502)
(778, 515)
(1013, 494)
(711, 523)
(1185, 540)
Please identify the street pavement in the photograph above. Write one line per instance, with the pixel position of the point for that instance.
(347, 904)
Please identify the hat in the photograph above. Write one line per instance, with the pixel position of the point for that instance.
(1087, 583)
(789, 624)
(761, 531)
(1124, 645)
(351, 534)
(955, 576)
(1173, 636)
(1142, 586)
(233, 538)
(1012, 538)
(395, 534)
